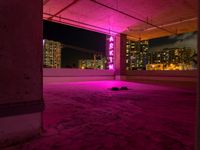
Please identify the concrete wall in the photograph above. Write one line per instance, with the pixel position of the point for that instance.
(180, 78)
(163, 73)
(20, 70)
(71, 75)
(120, 55)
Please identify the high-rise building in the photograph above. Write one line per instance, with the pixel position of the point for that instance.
(139, 58)
(51, 54)
(136, 55)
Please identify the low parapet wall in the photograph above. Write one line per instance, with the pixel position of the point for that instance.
(163, 73)
(72, 75)
(190, 75)
(178, 78)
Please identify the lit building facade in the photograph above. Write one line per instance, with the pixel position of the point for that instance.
(99, 61)
(171, 59)
(51, 54)
(96, 63)
(136, 55)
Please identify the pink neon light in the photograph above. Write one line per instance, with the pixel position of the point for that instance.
(111, 46)
(111, 66)
(111, 59)
(111, 39)
(111, 53)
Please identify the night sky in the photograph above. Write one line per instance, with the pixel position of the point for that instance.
(77, 37)
(174, 41)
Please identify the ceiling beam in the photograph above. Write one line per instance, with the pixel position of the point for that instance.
(66, 7)
(173, 23)
(84, 25)
(90, 26)
(45, 2)
(133, 17)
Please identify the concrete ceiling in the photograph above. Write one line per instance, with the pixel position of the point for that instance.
(145, 19)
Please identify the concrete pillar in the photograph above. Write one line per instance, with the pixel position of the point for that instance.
(21, 100)
(120, 57)
(197, 141)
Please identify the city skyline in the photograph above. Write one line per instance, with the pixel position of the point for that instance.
(83, 39)
(78, 39)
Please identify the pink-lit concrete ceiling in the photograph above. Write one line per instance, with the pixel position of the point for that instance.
(145, 19)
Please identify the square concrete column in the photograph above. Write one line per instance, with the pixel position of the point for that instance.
(21, 101)
(120, 57)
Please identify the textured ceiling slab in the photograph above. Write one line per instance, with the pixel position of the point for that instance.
(143, 19)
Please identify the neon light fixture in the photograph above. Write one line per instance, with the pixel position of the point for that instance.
(111, 52)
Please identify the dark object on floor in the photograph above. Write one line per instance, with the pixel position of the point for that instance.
(115, 89)
(123, 88)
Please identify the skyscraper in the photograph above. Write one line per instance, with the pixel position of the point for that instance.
(51, 54)
(136, 55)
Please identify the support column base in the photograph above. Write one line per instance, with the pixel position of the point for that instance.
(19, 128)
(120, 77)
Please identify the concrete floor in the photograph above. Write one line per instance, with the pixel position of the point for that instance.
(89, 116)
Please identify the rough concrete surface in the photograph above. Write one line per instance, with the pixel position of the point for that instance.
(90, 116)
